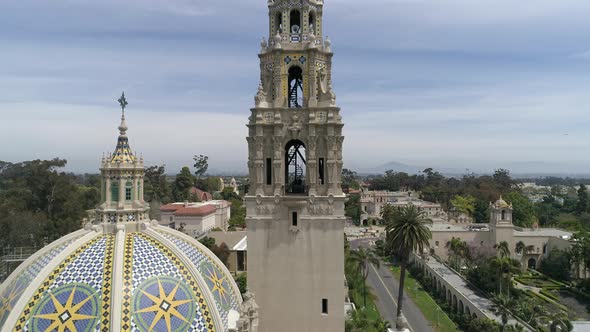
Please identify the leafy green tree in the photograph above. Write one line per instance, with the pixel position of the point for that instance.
(582, 205)
(155, 186)
(501, 307)
(457, 251)
(364, 258)
(242, 281)
(349, 179)
(182, 184)
(557, 319)
(557, 264)
(208, 242)
(406, 232)
(503, 180)
(464, 204)
(482, 325)
(352, 208)
(481, 213)
(201, 165)
(228, 193)
(523, 213)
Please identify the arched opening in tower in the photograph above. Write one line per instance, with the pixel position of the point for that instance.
(295, 92)
(278, 23)
(311, 22)
(295, 21)
(295, 167)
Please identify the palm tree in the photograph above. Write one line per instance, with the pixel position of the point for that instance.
(363, 258)
(520, 246)
(457, 250)
(407, 231)
(558, 319)
(503, 266)
(501, 307)
(503, 249)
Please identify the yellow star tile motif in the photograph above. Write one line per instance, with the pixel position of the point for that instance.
(66, 314)
(217, 283)
(6, 302)
(164, 306)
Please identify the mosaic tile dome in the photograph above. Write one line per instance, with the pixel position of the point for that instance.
(121, 277)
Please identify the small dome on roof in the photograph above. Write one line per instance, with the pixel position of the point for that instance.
(501, 203)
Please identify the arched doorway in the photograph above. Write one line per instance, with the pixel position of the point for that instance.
(295, 167)
(460, 307)
(532, 263)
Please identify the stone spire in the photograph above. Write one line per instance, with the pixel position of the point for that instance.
(123, 153)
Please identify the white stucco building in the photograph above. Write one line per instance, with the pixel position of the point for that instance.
(196, 218)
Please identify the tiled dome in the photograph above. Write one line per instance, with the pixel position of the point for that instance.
(121, 277)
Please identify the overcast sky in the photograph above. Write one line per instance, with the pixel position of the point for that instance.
(453, 83)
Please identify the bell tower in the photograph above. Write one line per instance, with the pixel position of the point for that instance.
(295, 204)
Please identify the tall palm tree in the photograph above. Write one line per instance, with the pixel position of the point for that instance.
(501, 265)
(503, 249)
(364, 258)
(520, 246)
(501, 307)
(406, 231)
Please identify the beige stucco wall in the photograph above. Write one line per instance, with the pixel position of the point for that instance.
(291, 269)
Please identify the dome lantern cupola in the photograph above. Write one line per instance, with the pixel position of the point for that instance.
(122, 181)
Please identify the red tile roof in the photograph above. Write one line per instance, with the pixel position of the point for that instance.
(202, 195)
(195, 211)
(171, 207)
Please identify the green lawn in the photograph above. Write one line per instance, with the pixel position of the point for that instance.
(427, 305)
(357, 298)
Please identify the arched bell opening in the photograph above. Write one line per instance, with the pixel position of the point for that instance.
(295, 92)
(295, 167)
(311, 22)
(278, 23)
(295, 22)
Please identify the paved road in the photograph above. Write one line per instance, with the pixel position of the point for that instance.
(385, 286)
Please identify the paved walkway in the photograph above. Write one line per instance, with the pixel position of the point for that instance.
(385, 287)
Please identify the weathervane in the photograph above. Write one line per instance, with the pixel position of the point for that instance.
(123, 103)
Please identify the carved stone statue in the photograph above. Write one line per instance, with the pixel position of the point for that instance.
(260, 98)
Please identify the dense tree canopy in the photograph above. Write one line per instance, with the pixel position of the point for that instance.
(39, 204)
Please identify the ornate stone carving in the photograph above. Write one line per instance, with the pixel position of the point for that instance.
(260, 98)
(295, 125)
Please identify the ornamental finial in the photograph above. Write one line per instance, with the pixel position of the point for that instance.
(123, 102)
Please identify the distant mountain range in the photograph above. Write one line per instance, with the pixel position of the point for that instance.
(518, 169)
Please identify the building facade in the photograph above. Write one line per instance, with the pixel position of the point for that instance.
(535, 243)
(196, 218)
(295, 205)
(373, 201)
